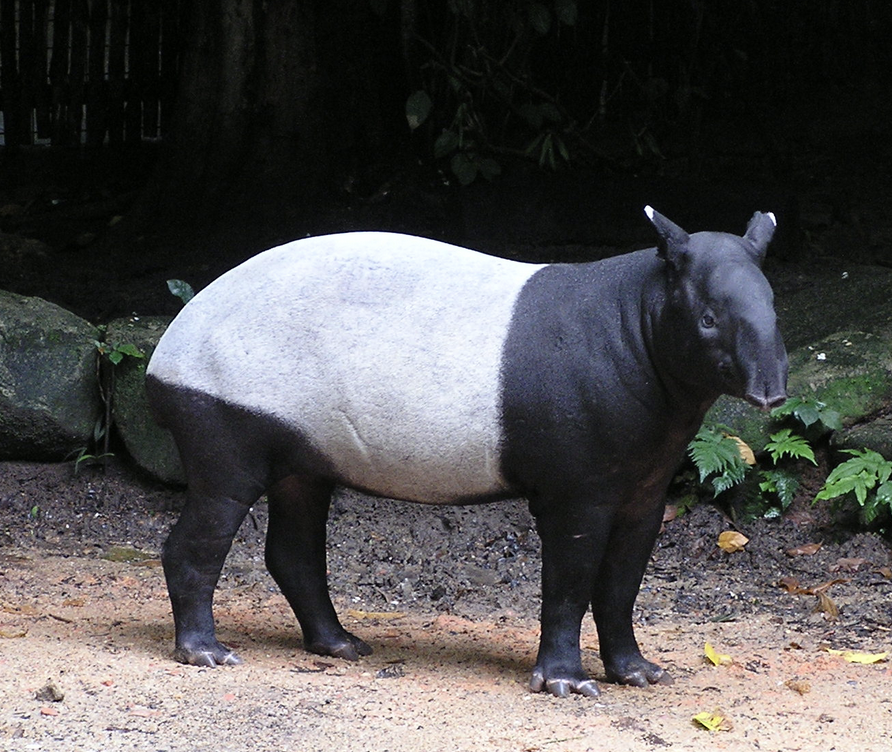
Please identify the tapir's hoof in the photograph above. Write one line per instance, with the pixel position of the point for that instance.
(638, 673)
(563, 686)
(349, 647)
(209, 655)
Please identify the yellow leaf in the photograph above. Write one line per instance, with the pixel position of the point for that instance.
(716, 658)
(746, 453)
(376, 614)
(731, 541)
(712, 721)
(855, 657)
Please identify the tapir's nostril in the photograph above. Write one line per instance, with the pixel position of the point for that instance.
(777, 401)
(766, 403)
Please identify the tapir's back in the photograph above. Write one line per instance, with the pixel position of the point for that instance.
(384, 349)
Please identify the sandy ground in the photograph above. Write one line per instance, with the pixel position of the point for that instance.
(99, 632)
(86, 636)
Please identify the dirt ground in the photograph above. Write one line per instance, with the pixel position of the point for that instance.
(449, 600)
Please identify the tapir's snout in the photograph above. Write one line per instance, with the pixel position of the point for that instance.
(767, 387)
(764, 361)
(766, 402)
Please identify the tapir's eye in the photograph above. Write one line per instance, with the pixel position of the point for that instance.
(708, 321)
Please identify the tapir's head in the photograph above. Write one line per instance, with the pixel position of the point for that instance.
(720, 311)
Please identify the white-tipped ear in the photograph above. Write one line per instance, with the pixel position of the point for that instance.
(673, 244)
(759, 232)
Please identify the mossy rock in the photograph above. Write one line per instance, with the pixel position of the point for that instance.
(851, 371)
(875, 435)
(49, 391)
(151, 447)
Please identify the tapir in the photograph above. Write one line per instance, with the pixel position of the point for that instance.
(411, 369)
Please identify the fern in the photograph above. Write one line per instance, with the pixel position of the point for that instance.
(859, 476)
(717, 458)
(785, 443)
(781, 483)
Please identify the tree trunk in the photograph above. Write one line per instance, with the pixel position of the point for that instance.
(245, 108)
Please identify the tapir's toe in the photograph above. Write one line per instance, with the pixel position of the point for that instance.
(209, 656)
(349, 647)
(638, 673)
(563, 686)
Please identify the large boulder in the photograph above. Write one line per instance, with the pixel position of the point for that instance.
(49, 392)
(150, 446)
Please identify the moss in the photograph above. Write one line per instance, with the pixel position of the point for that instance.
(856, 397)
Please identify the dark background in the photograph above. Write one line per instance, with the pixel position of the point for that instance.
(174, 138)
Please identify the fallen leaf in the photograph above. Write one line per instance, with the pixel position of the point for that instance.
(376, 614)
(731, 541)
(807, 549)
(790, 584)
(47, 710)
(866, 659)
(670, 513)
(886, 572)
(798, 685)
(825, 586)
(13, 634)
(848, 565)
(716, 658)
(74, 602)
(746, 453)
(827, 606)
(712, 721)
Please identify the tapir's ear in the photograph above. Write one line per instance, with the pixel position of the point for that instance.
(759, 232)
(673, 242)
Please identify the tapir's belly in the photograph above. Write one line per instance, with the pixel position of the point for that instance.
(383, 352)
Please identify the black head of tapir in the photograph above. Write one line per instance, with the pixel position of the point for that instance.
(411, 369)
(722, 310)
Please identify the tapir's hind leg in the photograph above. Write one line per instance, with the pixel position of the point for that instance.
(193, 556)
(296, 558)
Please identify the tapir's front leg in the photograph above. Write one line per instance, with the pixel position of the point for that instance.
(616, 586)
(573, 544)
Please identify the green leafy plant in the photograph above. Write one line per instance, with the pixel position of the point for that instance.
(866, 478)
(109, 358)
(725, 461)
(718, 459)
(183, 290)
(117, 353)
(813, 416)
